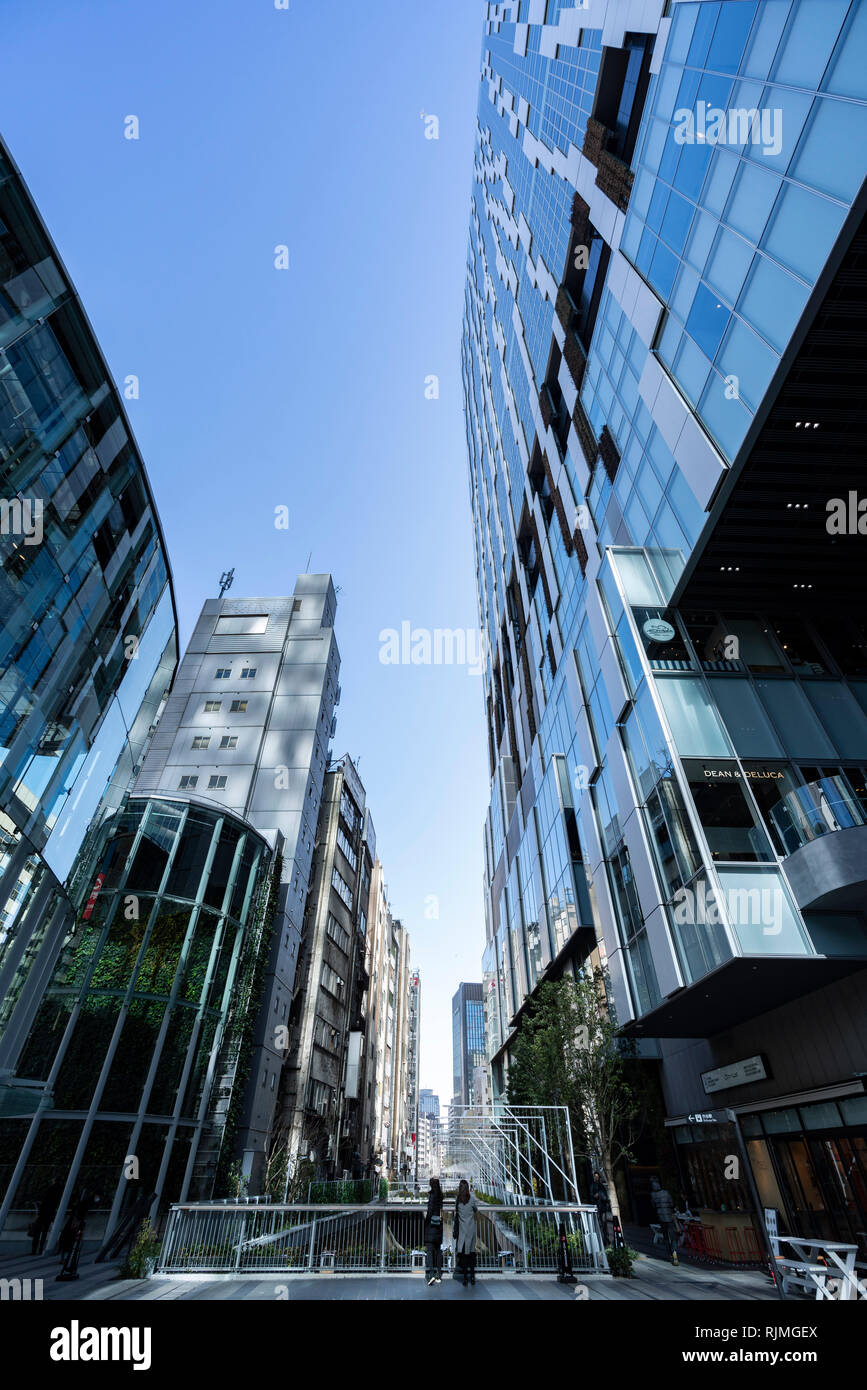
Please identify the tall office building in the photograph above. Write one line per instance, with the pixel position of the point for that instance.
(663, 359)
(387, 964)
(429, 1135)
(324, 1083)
(399, 1152)
(468, 1040)
(412, 1066)
(88, 642)
(159, 1033)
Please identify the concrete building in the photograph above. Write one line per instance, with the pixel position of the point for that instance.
(400, 1152)
(662, 363)
(324, 1081)
(412, 1066)
(388, 969)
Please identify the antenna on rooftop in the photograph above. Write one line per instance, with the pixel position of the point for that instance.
(226, 579)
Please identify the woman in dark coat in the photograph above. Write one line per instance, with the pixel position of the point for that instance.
(433, 1233)
(465, 1231)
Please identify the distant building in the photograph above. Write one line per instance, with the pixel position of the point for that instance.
(412, 1064)
(323, 1088)
(387, 963)
(468, 1040)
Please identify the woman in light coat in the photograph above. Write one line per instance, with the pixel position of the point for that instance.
(465, 1231)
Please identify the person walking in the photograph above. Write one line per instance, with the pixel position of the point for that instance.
(664, 1208)
(599, 1196)
(465, 1231)
(433, 1233)
(44, 1217)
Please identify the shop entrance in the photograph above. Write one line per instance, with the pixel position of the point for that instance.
(818, 1183)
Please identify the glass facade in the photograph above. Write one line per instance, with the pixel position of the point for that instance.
(468, 1040)
(650, 218)
(87, 620)
(733, 226)
(126, 1044)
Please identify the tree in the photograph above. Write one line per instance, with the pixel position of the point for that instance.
(568, 1053)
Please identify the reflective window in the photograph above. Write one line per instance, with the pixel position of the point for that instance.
(802, 230)
(840, 714)
(809, 39)
(773, 301)
(797, 725)
(695, 725)
(731, 827)
(762, 914)
(839, 127)
(730, 36)
(748, 725)
(753, 195)
(707, 320)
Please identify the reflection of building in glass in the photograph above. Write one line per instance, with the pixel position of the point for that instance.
(87, 639)
(660, 371)
(131, 1035)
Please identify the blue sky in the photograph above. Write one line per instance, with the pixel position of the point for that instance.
(304, 388)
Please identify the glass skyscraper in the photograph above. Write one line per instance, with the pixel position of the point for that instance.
(88, 640)
(662, 349)
(468, 1040)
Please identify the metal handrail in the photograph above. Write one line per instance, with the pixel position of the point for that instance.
(284, 1237)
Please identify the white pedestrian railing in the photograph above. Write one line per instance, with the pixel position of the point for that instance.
(205, 1237)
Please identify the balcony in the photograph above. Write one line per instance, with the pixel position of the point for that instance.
(823, 828)
(818, 809)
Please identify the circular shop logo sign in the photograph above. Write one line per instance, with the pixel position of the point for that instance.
(658, 630)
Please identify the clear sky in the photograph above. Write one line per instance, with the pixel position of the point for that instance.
(304, 387)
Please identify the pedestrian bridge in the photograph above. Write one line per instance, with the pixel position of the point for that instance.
(381, 1238)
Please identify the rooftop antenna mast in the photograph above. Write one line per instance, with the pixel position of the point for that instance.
(226, 579)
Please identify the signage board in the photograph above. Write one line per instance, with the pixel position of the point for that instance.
(735, 1074)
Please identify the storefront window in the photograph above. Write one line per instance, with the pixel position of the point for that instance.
(802, 653)
(711, 641)
(769, 783)
(727, 818)
(756, 646)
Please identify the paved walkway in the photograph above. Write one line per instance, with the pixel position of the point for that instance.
(654, 1280)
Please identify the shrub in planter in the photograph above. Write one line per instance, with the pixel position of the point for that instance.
(142, 1257)
(620, 1260)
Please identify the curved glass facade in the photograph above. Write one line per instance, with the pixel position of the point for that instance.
(126, 1041)
(88, 641)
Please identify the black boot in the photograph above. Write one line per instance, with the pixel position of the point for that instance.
(464, 1267)
(473, 1268)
